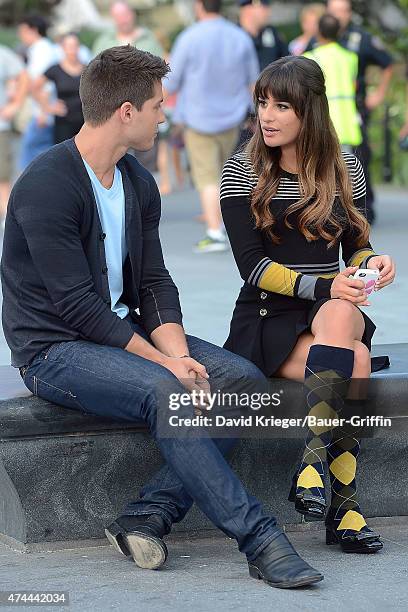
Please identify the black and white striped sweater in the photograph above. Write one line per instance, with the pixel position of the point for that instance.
(295, 267)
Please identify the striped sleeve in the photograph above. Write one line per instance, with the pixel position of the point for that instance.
(358, 181)
(353, 255)
(237, 182)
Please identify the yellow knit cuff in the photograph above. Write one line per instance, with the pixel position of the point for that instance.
(359, 257)
(279, 279)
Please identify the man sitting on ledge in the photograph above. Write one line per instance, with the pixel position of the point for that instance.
(93, 320)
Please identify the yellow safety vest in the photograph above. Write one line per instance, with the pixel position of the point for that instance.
(340, 68)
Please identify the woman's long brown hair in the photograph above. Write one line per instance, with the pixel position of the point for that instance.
(322, 169)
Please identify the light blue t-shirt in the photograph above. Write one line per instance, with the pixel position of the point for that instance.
(213, 64)
(111, 209)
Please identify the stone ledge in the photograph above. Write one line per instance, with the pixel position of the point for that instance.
(65, 475)
(23, 415)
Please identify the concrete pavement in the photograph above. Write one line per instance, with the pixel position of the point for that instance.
(209, 574)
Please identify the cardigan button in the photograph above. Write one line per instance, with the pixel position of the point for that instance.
(264, 295)
(102, 236)
(104, 270)
(263, 312)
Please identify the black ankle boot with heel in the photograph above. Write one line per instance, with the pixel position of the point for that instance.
(365, 541)
(345, 523)
(312, 507)
(140, 537)
(279, 565)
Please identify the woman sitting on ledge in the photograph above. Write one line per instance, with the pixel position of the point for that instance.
(289, 200)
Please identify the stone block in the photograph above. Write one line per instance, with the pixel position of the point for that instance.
(64, 475)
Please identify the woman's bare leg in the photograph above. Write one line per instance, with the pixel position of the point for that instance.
(178, 167)
(163, 167)
(293, 367)
(346, 333)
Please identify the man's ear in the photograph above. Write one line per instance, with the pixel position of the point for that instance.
(126, 112)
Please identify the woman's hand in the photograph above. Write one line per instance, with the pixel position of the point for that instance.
(349, 289)
(58, 108)
(386, 266)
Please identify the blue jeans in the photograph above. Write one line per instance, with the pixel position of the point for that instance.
(36, 139)
(112, 382)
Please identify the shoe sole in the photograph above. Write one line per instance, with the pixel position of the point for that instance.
(359, 551)
(118, 545)
(255, 573)
(147, 552)
(216, 248)
(362, 552)
(312, 518)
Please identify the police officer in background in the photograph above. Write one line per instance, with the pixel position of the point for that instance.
(340, 67)
(254, 16)
(370, 51)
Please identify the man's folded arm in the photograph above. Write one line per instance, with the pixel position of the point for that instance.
(159, 298)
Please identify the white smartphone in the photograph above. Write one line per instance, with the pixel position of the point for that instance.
(369, 277)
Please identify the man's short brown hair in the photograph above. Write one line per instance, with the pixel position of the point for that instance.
(118, 75)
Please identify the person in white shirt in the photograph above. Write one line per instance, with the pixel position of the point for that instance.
(12, 88)
(41, 54)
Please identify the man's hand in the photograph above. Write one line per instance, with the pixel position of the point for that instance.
(374, 99)
(386, 266)
(189, 372)
(349, 289)
(404, 131)
(42, 120)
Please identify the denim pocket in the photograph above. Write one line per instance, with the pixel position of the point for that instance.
(53, 350)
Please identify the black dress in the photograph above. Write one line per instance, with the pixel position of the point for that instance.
(285, 284)
(67, 87)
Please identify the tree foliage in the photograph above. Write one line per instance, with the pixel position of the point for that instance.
(12, 10)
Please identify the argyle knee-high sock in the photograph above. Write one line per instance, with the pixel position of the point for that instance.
(342, 454)
(327, 375)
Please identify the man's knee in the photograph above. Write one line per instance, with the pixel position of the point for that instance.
(245, 377)
(240, 368)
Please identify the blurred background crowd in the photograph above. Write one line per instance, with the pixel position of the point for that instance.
(216, 52)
